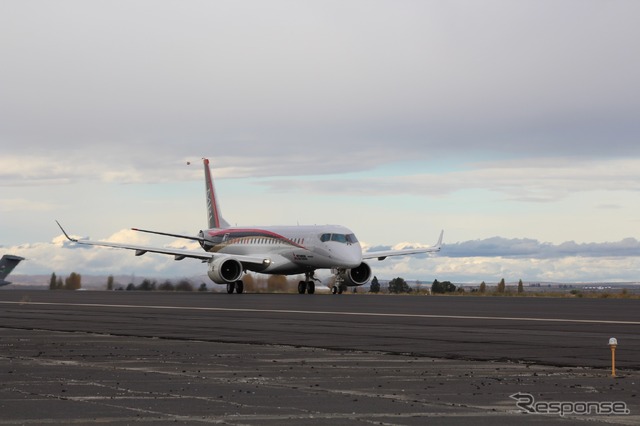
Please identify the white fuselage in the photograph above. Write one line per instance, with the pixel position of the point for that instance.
(291, 249)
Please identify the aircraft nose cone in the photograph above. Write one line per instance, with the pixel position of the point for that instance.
(354, 255)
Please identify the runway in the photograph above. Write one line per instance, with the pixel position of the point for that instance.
(570, 332)
(274, 359)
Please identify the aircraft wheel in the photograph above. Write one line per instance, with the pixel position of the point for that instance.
(231, 287)
(302, 287)
(340, 289)
(334, 289)
(311, 288)
(239, 287)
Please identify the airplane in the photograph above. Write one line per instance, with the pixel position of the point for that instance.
(7, 264)
(283, 250)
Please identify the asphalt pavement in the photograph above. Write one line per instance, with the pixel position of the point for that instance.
(151, 357)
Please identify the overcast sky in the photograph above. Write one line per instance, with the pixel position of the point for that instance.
(513, 125)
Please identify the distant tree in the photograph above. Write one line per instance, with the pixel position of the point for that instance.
(203, 287)
(147, 285)
(483, 287)
(110, 282)
(520, 287)
(130, 287)
(501, 286)
(449, 287)
(184, 285)
(73, 282)
(167, 286)
(442, 287)
(399, 285)
(53, 283)
(59, 284)
(375, 285)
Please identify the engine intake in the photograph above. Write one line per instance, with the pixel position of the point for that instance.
(357, 276)
(225, 270)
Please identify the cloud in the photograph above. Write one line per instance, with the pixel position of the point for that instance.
(529, 248)
(21, 170)
(541, 180)
(532, 180)
(63, 257)
(470, 261)
(129, 236)
(318, 90)
(285, 81)
(21, 204)
(571, 269)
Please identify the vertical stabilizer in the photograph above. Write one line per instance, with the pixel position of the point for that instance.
(7, 263)
(214, 216)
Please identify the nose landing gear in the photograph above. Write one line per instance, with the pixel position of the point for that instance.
(339, 286)
(338, 289)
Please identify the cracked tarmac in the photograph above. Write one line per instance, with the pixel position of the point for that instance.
(82, 378)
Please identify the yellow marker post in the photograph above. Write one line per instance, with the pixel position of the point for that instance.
(613, 342)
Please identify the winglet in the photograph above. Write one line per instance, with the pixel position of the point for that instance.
(65, 233)
(439, 243)
(7, 264)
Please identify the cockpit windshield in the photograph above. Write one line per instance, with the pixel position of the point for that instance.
(339, 238)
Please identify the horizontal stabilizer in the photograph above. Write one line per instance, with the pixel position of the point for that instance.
(167, 234)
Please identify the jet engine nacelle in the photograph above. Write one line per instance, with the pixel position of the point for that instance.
(225, 270)
(357, 276)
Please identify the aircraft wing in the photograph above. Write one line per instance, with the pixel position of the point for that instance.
(179, 254)
(382, 255)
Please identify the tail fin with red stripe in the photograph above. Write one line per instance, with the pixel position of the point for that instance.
(213, 208)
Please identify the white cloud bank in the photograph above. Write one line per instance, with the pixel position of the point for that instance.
(471, 261)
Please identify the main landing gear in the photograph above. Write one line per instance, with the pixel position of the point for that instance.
(308, 285)
(237, 286)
